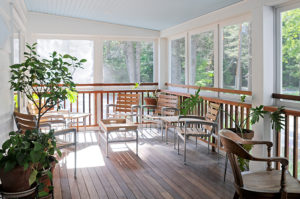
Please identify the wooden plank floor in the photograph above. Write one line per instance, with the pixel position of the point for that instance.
(158, 172)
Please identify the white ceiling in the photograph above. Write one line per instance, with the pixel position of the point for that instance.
(150, 14)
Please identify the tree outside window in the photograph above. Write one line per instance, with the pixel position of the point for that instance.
(178, 61)
(237, 58)
(127, 61)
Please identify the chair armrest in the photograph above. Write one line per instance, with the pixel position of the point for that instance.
(65, 131)
(45, 124)
(194, 120)
(254, 142)
(135, 107)
(109, 105)
(149, 106)
(163, 109)
(283, 161)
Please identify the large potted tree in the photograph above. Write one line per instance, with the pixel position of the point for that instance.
(45, 83)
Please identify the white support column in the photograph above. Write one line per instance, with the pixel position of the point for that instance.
(162, 62)
(98, 61)
(263, 73)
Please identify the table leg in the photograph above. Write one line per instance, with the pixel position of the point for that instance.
(137, 142)
(107, 144)
(166, 132)
(84, 123)
(77, 125)
(161, 130)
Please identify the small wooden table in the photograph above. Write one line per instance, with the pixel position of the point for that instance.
(118, 125)
(169, 122)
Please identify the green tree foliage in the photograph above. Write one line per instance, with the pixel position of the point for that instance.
(178, 61)
(127, 61)
(291, 51)
(236, 55)
(202, 54)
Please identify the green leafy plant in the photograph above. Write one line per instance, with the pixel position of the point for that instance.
(189, 103)
(277, 121)
(29, 150)
(45, 82)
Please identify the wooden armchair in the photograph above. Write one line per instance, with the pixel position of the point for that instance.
(197, 126)
(127, 106)
(26, 122)
(167, 105)
(261, 184)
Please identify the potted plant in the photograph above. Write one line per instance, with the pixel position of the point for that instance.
(151, 99)
(45, 82)
(21, 156)
(189, 103)
(255, 114)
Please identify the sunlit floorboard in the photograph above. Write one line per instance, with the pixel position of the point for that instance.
(158, 172)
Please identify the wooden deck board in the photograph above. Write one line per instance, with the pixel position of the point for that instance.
(158, 172)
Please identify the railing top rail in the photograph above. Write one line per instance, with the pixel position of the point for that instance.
(118, 84)
(119, 91)
(286, 97)
(217, 100)
(222, 90)
(293, 112)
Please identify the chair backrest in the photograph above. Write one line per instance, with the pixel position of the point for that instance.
(169, 101)
(230, 142)
(25, 121)
(125, 101)
(212, 114)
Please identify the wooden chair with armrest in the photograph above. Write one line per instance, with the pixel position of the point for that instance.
(197, 126)
(26, 122)
(127, 106)
(261, 184)
(167, 106)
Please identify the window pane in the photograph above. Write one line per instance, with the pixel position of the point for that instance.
(178, 61)
(127, 61)
(290, 52)
(202, 59)
(82, 49)
(236, 56)
(16, 51)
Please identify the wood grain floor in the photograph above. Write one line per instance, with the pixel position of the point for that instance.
(158, 172)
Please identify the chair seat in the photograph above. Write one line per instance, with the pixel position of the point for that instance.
(192, 131)
(269, 181)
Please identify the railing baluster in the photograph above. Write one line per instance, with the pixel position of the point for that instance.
(231, 115)
(90, 118)
(96, 108)
(248, 121)
(278, 145)
(242, 115)
(101, 106)
(236, 115)
(295, 155)
(286, 139)
(226, 115)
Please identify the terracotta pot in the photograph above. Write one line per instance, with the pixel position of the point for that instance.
(15, 180)
(45, 178)
(247, 133)
(150, 101)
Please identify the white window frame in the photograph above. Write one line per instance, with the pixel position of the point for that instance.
(186, 65)
(278, 44)
(214, 29)
(235, 21)
(98, 49)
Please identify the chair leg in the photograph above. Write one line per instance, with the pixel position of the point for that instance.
(196, 141)
(166, 133)
(75, 156)
(226, 163)
(236, 196)
(177, 144)
(184, 153)
(208, 144)
(175, 138)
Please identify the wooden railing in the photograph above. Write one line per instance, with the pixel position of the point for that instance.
(94, 97)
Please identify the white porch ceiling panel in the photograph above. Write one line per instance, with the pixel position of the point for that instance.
(150, 14)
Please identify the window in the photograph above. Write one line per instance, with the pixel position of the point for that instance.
(289, 49)
(178, 61)
(82, 49)
(236, 56)
(202, 59)
(127, 61)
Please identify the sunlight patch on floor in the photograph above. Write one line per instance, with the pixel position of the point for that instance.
(90, 156)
